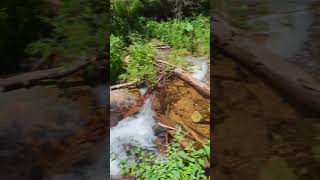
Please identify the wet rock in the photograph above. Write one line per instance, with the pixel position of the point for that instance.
(120, 101)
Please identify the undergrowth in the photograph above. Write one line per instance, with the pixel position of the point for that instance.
(177, 163)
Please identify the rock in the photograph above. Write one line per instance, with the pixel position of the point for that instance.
(196, 117)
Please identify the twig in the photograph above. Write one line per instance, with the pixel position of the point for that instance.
(168, 127)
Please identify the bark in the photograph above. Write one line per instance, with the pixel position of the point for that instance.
(299, 86)
(198, 85)
(26, 79)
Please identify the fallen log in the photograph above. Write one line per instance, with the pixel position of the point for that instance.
(299, 86)
(124, 85)
(26, 79)
(198, 85)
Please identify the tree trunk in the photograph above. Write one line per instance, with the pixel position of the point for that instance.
(198, 85)
(26, 79)
(289, 79)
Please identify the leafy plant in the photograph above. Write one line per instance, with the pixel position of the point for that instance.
(177, 163)
(140, 65)
(116, 63)
(79, 30)
(188, 33)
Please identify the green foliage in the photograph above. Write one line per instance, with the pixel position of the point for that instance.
(116, 63)
(193, 34)
(176, 57)
(177, 163)
(140, 65)
(79, 30)
(126, 9)
(19, 25)
(238, 12)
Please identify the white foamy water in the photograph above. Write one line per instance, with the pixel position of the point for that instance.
(199, 69)
(143, 91)
(135, 130)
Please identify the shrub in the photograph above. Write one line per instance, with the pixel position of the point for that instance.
(177, 163)
(192, 34)
(116, 63)
(140, 65)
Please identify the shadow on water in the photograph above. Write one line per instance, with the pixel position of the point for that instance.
(51, 132)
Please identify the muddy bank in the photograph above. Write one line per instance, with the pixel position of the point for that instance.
(259, 135)
(50, 131)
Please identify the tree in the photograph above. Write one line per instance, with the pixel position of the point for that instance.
(80, 29)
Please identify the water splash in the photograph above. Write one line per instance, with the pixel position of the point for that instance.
(135, 130)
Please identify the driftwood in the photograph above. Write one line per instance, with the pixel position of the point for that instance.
(198, 85)
(299, 86)
(26, 79)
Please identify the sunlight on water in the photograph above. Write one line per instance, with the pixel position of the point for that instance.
(135, 130)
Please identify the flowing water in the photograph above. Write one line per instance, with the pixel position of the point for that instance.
(53, 132)
(138, 129)
(134, 130)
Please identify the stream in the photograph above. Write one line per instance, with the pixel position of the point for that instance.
(139, 129)
(54, 132)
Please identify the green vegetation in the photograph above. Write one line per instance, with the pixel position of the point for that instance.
(140, 65)
(189, 33)
(138, 34)
(79, 30)
(19, 26)
(116, 63)
(238, 12)
(177, 163)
